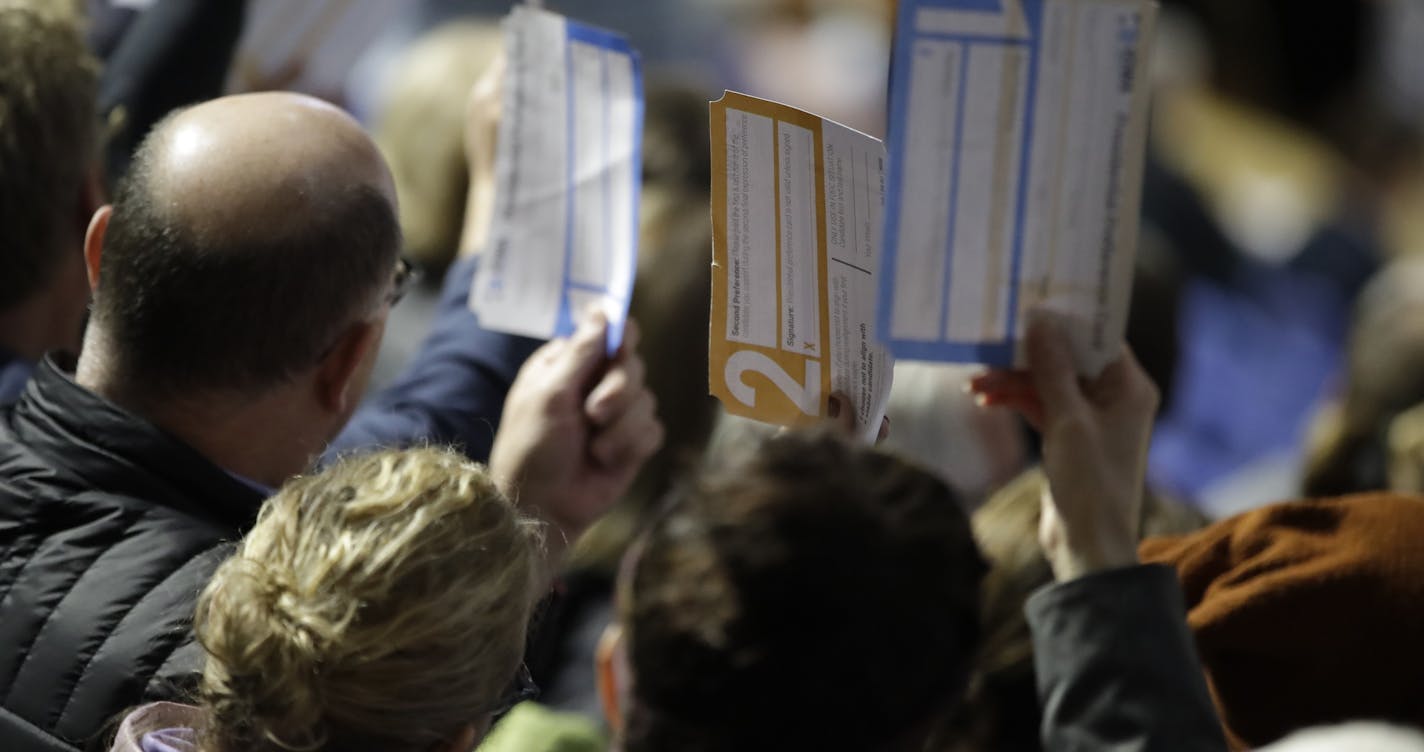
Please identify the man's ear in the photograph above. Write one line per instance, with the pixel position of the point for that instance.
(341, 374)
(94, 243)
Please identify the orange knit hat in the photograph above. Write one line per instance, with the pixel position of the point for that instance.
(1307, 613)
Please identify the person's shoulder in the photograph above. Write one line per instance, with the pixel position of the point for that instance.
(531, 727)
(45, 507)
(159, 721)
(70, 458)
(40, 507)
(99, 593)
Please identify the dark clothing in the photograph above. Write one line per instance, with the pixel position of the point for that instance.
(14, 373)
(1116, 666)
(563, 649)
(108, 530)
(108, 526)
(1259, 343)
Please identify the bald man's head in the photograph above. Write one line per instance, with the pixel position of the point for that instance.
(250, 232)
(268, 160)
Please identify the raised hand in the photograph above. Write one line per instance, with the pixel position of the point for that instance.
(483, 111)
(1095, 439)
(841, 414)
(576, 429)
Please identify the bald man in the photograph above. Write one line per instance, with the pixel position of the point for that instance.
(242, 279)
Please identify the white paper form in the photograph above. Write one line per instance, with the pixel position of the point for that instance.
(797, 204)
(1017, 133)
(564, 238)
(307, 46)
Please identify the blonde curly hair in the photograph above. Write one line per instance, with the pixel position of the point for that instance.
(381, 604)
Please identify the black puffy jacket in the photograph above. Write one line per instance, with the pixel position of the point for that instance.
(109, 528)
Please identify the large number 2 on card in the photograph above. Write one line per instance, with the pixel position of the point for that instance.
(806, 396)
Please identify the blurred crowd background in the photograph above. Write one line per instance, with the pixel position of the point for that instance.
(1279, 294)
(1282, 204)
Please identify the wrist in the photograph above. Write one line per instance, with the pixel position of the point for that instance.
(535, 503)
(479, 213)
(1070, 561)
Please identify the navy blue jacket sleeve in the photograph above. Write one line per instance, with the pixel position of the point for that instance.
(453, 390)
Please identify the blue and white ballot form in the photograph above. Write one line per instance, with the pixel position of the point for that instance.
(1017, 133)
(564, 237)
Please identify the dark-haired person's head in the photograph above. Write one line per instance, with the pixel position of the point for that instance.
(1305, 60)
(819, 595)
(48, 180)
(242, 279)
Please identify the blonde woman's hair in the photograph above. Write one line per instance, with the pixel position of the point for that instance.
(381, 604)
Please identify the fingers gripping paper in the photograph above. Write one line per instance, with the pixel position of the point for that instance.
(1017, 133)
(564, 239)
(796, 215)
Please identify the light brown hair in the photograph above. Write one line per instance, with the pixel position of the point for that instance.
(381, 604)
(48, 140)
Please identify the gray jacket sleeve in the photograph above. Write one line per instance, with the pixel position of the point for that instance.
(1116, 666)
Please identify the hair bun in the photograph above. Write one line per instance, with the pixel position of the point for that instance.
(352, 615)
(269, 643)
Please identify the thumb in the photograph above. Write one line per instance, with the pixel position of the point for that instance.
(1050, 363)
(842, 415)
(576, 363)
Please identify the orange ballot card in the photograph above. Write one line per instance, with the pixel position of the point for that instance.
(797, 202)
